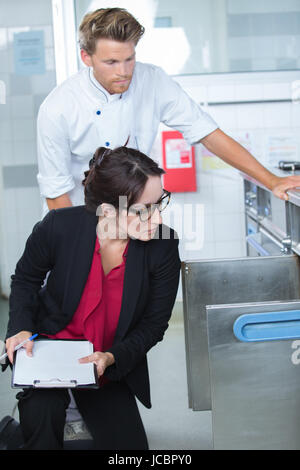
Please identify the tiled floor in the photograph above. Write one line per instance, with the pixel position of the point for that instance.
(169, 424)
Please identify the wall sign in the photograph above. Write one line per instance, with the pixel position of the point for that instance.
(178, 162)
(29, 53)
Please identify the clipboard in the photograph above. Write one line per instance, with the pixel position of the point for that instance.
(54, 365)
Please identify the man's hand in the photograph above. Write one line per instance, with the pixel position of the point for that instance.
(283, 184)
(101, 359)
(237, 156)
(13, 341)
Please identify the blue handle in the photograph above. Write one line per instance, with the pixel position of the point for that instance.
(259, 248)
(270, 326)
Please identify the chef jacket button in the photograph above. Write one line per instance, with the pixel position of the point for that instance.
(98, 112)
(107, 144)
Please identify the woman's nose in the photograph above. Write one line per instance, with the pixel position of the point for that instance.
(156, 217)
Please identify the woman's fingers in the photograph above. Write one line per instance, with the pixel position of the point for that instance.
(86, 359)
(29, 346)
(98, 358)
(10, 347)
(13, 341)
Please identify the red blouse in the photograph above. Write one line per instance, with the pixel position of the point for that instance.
(97, 315)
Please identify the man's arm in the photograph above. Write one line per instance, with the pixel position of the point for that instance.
(58, 202)
(54, 158)
(236, 155)
(179, 111)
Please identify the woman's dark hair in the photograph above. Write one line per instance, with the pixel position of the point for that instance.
(120, 172)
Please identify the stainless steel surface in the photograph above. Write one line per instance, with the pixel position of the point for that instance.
(250, 193)
(294, 197)
(254, 386)
(263, 244)
(289, 166)
(279, 218)
(294, 194)
(221, 281)
(272, 218)
(252, 389)
(251, 228)
(272, 214)
(293, 214)
(286, 245)
(222, 103)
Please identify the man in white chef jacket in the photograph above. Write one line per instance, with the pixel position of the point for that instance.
(117, 101)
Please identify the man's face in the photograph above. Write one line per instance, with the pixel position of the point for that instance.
(113, 64)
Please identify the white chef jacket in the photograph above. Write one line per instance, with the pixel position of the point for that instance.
(79, 116)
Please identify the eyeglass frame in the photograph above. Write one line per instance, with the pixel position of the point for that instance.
(152, 206)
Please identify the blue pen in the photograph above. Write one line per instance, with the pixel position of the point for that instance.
(20, 345)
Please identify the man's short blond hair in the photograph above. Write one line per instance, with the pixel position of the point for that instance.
(109, 23)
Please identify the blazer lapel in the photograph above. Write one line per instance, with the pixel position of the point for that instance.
(80, 265)
(81, 260)
(132, 285)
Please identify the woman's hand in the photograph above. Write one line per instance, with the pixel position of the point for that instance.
(101, 359)
(13, 341)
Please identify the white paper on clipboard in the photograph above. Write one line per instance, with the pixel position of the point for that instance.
(54, 364)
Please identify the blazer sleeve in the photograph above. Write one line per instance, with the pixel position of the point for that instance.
(151, 327)
(30, 273)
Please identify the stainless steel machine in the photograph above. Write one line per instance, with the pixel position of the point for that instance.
(242, 330)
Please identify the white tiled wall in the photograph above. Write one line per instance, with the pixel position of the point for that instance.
(20, 206)
(221, 190)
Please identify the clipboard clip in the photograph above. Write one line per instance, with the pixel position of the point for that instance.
(55, 383)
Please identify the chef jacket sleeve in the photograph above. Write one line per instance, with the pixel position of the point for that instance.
(54, 155)
(179, 111)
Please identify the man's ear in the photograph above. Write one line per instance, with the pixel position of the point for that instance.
(86, 58)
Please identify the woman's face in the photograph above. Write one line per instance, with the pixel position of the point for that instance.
(131, 222)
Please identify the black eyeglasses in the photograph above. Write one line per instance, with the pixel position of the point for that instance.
(147, 211)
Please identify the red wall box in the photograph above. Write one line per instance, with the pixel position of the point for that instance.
(178, 163)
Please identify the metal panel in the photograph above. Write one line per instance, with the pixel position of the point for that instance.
(294, 221)
(263, 244)
(225, 281)
(254, 385)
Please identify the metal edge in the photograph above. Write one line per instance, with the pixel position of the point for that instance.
(186, 333)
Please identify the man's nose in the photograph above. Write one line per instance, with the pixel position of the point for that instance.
(123, 69)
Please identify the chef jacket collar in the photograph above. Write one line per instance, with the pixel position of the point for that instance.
(104, 93)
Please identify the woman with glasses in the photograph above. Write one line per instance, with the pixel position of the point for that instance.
(114, 273)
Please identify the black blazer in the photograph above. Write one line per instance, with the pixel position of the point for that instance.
(63, 243)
